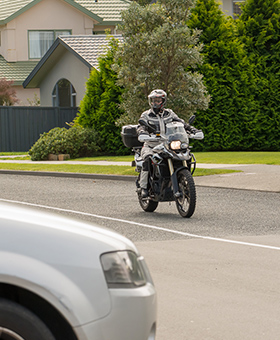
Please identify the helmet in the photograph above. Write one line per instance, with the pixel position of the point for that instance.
(157, 100)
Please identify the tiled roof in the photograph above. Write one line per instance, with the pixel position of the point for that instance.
(9, 7)
(88, 47)
(109, 10)
(17, 71)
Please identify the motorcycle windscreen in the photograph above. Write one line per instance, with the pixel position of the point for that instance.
(176, 131)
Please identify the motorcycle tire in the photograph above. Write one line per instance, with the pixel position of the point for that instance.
(147, 204)
(186, 202)
(19, 323)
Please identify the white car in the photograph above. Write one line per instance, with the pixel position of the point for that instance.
(62, 279)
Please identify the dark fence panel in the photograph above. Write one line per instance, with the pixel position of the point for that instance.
(21, 126)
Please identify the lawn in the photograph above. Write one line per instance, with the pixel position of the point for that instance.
(201, 157)
(233, 157)
(123, 170)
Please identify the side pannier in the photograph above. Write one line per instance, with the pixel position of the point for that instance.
(130, 136)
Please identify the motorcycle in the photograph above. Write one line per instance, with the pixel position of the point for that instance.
(170, 167)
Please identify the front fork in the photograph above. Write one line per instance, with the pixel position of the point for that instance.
(174, 179)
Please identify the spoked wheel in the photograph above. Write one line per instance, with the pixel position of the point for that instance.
(147, 204)
(187, 200)
(18, 323)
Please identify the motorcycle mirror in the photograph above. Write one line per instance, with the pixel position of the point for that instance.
(192, 119)
(199, 135)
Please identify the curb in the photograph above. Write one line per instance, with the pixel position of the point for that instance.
(69, 175)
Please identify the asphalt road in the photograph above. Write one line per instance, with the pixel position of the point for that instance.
(217, 274)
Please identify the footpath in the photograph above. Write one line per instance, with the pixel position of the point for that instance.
(251, 176)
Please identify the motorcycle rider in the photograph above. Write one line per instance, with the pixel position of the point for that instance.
(157, 116)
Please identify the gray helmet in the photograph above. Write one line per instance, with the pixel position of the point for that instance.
(157, 100)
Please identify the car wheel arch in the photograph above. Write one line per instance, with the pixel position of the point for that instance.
(48, 314)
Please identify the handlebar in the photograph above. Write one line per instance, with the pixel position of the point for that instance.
(150, 138)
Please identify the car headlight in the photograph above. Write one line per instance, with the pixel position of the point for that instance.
(175, 145)
(123, 269)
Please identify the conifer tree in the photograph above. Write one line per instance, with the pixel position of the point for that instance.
(259, 28)
(99, 108)
(228, 76)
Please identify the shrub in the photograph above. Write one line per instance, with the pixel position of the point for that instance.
(76, 141)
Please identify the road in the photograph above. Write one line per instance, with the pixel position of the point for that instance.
(217, 274)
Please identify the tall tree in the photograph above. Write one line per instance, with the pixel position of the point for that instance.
(160, 51)
(7, 93)
(228, 75)
(99, 108)
(259, 28)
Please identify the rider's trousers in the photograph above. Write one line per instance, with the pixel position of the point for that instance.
(145, 153)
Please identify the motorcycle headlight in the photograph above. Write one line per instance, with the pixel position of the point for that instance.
(175, 145)
(123, 269)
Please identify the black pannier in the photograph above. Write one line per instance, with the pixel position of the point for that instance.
(130, 136)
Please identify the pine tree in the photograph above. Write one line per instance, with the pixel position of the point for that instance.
(158, 51)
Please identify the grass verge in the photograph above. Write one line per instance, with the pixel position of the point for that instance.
(232, 157)
(122, 170)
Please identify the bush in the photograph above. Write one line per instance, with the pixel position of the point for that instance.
(76, 141)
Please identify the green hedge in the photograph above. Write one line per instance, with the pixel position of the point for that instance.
(242, 74)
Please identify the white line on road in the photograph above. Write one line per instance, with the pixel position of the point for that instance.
(146, 225)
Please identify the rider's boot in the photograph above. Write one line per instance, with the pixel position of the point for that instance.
(143, 183)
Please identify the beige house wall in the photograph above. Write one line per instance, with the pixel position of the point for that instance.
(77, 73)
(227, 7)
(46, 15)
(26, 96)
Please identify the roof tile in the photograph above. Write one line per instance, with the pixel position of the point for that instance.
(109, 10)
(89, 47)
(16, 71)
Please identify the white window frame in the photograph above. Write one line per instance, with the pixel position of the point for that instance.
(55, 94)
(37, 46)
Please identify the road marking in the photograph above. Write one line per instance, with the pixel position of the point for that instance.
(146, 225)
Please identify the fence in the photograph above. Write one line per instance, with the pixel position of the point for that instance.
(21, 126)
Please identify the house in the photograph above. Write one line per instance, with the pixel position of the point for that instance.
(28, 28)
(231, 7)
(62, 72)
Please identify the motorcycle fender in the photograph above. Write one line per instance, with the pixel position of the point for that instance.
(174, 180)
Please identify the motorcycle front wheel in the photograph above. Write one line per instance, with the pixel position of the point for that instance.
(187, 200)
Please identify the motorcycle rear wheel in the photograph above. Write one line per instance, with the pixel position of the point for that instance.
(187, 201)
(147, 204)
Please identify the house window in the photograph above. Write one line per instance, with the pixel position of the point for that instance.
(41, 41)
(98, 32)
(236, 8)
(64, 94)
